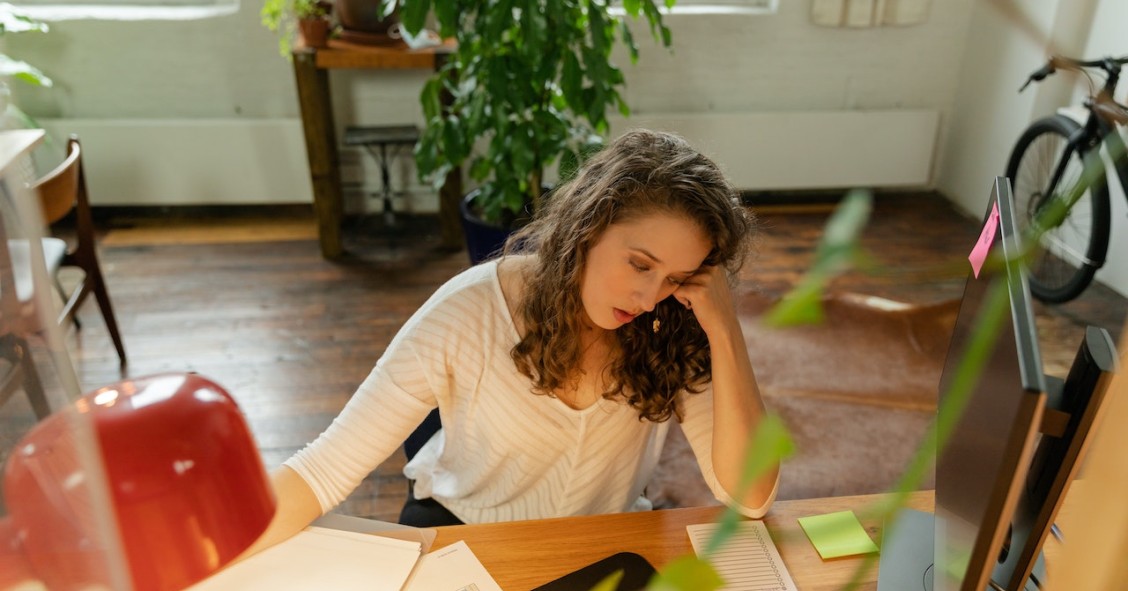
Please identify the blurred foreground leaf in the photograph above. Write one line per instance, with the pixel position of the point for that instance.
(838, 251)
(610, 582)
(688, 573)
(767, 448)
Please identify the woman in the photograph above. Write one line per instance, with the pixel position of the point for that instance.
(557, 367)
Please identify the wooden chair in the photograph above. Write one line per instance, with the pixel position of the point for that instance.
(61, 191)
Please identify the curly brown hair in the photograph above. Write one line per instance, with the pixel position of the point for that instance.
(639, 174)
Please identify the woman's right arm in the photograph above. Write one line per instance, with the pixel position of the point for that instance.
(297, 508)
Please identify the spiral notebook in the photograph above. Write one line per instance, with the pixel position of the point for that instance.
(748, 561)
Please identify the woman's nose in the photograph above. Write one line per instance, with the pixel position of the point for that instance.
(649, 294)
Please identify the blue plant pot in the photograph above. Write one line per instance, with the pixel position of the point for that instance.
(483, 239)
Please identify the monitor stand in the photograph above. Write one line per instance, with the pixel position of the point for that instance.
(908, 552)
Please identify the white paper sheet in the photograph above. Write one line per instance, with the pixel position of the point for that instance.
(749, 560)
(451, 568)
(320, 558)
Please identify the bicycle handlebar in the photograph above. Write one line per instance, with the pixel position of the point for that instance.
(1111, 66)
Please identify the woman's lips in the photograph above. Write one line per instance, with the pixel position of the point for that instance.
(622, 316)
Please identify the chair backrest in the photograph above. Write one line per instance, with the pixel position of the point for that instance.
(58, 189)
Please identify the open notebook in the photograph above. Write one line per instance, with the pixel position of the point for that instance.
(322, 558)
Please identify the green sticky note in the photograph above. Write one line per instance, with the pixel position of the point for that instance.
(837, 534)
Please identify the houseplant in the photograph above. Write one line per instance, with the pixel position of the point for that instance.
(12, 20)
(289, 17)
(530, 85)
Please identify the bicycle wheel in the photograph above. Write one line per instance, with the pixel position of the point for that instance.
(1067, 256)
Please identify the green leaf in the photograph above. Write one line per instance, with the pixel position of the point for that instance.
(687, 573)
(480, 169)
(844, 228)
(446, 16)
(632, 7)
(610, 582)
(384, 8)
(598, 25)
(23, 71)
(535, 36)
(453, 147)
(430, 97)
(15, 20)
(770, 444)
(572, 79)
(800, 306)
(413, 14)
(427, 149)
(838, 251)
(628, 40)
(653, 17)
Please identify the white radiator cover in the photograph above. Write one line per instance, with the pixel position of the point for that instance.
(231, 161)
(189, 161)
(810, 149)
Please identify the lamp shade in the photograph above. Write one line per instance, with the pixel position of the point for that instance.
(180, 473)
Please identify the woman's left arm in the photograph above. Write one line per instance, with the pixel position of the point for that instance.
(737, 405)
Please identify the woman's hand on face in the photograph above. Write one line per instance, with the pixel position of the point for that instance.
(708, 295)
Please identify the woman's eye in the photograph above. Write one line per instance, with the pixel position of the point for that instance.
(675, 282)
(639, 268)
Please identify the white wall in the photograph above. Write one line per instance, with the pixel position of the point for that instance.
(1107, 38)
(226, 71)
(1001, 50)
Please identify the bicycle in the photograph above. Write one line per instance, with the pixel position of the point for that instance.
(1047, 164)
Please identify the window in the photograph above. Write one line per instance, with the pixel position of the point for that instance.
(717, 7)
(726, 7)
(58, 10)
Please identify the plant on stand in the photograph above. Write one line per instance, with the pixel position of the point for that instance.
(307, 19)
(530, 85)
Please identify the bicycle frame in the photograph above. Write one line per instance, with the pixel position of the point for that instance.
(1102, 126)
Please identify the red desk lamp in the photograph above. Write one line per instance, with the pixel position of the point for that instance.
(172, 490)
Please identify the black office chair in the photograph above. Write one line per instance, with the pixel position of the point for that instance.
(422, 434)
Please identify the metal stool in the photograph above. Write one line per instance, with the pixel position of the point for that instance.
(377, 140)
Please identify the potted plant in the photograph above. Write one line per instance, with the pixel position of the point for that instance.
(291, 18)
(530, 85)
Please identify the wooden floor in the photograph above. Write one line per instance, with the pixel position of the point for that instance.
(250, 303)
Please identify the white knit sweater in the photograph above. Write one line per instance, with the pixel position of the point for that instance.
(503, 453)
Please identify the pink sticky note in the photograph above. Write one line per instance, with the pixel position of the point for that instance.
(986, 237)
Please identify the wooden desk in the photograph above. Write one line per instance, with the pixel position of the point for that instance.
(525, 554)
(311, 72)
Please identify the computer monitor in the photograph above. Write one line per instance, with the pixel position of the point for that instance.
(996, 499)
(982, 464)
(1072, 410)
(981, 467)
